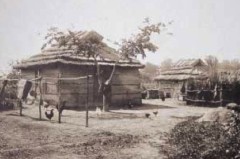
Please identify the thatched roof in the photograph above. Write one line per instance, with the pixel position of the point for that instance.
(66, 55)
(184, 69)
(188, 63)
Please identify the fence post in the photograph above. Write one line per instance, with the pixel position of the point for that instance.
(41, 101)
(87, 101)
(20, 106)
(221, 93)
(59, 98)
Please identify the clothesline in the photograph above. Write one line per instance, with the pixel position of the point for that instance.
(32, 80)
(46, 78)
(69, 78)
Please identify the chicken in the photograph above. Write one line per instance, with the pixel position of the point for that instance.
(161, 95)
(45, 104)
(130, 105)
(98, 111)
(49, 114)
(163, 99)
(147, 115)
(155, 113)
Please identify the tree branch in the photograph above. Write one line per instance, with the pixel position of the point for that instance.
(109, 80)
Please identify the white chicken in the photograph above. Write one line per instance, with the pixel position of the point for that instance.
(98, 111)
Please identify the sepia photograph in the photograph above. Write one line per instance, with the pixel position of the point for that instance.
(119, 79)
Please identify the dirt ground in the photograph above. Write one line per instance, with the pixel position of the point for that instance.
(119, 134)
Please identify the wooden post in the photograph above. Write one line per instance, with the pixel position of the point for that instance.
(36, 84)
(40, 93)
(59, 98)
(221, 90)
(94, 88)
(87, 101)
(19, 101)
(20, 106)
(40, 101)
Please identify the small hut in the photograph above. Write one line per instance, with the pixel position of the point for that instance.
(172, 80)
(54, 62)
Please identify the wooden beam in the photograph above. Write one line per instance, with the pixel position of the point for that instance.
(87, 102)
(59, 98)
(20, 106)
(40, 93)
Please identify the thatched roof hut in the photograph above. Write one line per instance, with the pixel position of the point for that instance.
(184, 69)
(63, 61)
(172, 79)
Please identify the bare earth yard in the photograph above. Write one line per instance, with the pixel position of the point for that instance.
(117, 134)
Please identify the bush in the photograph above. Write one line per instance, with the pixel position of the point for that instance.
(205, 140)
(11, 88)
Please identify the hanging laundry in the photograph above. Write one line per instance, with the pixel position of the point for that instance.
(24, 86)
(215, 91)
(183, 89)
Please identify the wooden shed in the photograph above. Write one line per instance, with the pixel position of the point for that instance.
(55, 62)
(171, 80)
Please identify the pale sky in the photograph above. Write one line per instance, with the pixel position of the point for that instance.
(200, 28)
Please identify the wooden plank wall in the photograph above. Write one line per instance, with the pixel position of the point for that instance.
(75, 91)
(49, 86)
(28, 74)
(49, 90)
(125, 85)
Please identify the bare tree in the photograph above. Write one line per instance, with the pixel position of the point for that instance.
(225, 65)
(235, 64)
(212, 63)
(166, 64)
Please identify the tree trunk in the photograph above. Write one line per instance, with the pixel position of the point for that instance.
(107, 91)
(105, 87)
(105, 104)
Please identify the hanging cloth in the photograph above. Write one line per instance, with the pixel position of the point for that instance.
(24, 86)
(183, 89)
(215, 92)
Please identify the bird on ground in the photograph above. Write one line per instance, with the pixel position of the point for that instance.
(49, 114)
(163, 99)
(98, 111)
(45, 104)
(147, 115)
(155, 113)
(130, 105)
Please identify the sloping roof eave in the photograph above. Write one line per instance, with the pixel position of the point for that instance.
(179, 77)
(77, 63)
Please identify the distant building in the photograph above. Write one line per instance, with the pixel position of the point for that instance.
(172, 80)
